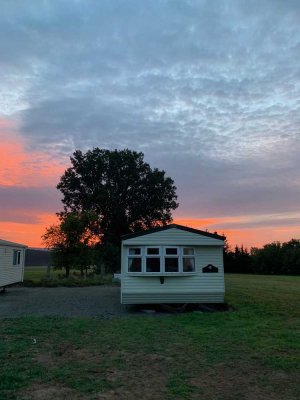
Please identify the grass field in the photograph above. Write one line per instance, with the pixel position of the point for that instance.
(37, 276)
(37, 273)
(251, 353)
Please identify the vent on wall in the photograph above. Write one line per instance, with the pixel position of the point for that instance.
(210, 268)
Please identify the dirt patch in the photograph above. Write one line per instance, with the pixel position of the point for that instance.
(50, 392)
(45, 359)
(145, 377)
(243, 381)
(66, 353)
(134, 375)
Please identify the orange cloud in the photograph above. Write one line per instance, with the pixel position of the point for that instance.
(29, 170)
(21, 168)
(26, 233)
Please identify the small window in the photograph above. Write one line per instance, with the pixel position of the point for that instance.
(188, 264)
(188, 251)
(153, 251)
(135, 264)
(16, 257)
(153, 264)
(134, 251)
(172, 251)
(171, 264)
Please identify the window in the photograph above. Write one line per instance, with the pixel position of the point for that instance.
(153, 259)
(161, 260)
(171, 251)
(171, 259)
(152, 264)
(135, 264)
(188, 264)
(188, 259)
(171, 264)
(134, 259)
(134, 251)
(188, 251)
(17, 257)
(153, 251)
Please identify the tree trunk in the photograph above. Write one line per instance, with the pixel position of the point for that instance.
(67, 272)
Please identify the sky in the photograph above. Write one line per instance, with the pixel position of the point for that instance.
(209, 91)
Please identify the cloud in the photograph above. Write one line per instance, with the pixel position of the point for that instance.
(19, 167)
(41, 199)
(209, 91)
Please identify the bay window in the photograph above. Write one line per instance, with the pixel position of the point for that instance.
(156, 260)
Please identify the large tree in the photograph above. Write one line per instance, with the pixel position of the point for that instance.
(121, 189)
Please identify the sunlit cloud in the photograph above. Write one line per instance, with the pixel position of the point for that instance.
(28, 233)
(19, 167)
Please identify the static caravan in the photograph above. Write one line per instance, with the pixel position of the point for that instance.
(172, 264)
(12, 257)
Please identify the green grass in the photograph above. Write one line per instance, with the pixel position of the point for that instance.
(37, 276)
(251, 353)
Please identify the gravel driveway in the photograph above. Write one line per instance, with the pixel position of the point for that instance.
(88, 301)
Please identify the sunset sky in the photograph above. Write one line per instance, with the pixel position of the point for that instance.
(209, 91)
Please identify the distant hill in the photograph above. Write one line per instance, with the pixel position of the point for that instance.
(37, 257)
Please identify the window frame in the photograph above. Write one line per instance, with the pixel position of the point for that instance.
(177, 256)
(16, 258)
(161, 256)
(184, 256)
(130, 256)
(157, 256)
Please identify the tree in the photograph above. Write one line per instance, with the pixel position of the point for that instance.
(70, 241)
(121, 189)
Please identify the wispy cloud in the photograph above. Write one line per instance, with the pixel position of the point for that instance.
(209, 91)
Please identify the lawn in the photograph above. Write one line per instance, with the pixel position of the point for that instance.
(37, 276)
(250, 353)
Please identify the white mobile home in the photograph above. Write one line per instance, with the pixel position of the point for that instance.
(172, 264)
(12, 257)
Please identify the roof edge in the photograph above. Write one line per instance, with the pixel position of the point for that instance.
(170, 226)
(12, 244)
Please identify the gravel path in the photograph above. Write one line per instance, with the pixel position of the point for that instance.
(88, 301)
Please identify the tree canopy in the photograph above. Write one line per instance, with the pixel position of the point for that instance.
(120, 189)
(69, 241)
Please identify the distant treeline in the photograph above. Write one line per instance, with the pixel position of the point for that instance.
(37, 257)
(274, 258)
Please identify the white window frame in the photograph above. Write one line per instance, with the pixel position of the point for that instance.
(188, 256)
(178, 256)
(16, 257)
(162, 254)
(135, 256)
(159, 255)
